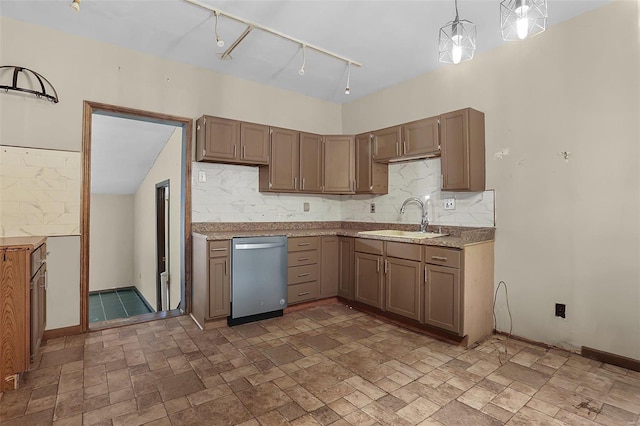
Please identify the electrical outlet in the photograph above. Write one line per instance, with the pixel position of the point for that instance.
(202, 176)
(306, 207)
(561, 310)
(372, 208)
(449, 203)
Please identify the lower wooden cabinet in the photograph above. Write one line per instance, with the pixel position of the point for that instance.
(329, 266)
(442, 297)
(369, 279)
(403, 287)
(303, 275)
(211, 279)
(346, 279)
(23, 292)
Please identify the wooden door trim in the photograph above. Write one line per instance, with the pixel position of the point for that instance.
(186, 124)
(161, 230)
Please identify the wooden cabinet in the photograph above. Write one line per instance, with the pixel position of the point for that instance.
(338, 164)
(369, 275)
(386, 143)
(211, 279)
(414, 140)
(303, 277)
(463, 153)
(442, 297)
(283, 171)
(371, 177)
(23, 289)
(346, 279)
(329, 266)
(310, 162)
(403, 284)
(231, 141)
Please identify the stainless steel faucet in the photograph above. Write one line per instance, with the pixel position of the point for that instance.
(424, 222)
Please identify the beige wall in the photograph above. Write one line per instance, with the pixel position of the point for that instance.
(63, 280)
(111, 252)
(166, 166)
(567, 232)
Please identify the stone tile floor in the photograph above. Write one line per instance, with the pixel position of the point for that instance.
(322, 365)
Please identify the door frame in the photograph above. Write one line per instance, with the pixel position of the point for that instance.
(163, 212)
(89, 108)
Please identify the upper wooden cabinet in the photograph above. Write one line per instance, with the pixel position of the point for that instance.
(310, 162)
(231, 141)
(338, 164)
(284, 168)
(418, 139)
(463, 156)
(371, 178)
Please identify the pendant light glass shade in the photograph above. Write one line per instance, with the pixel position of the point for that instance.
(520, 19)
(457, 41)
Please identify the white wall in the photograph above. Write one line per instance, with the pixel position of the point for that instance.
(567, 232)
(166, 167)
(111, 247)
(63, 281)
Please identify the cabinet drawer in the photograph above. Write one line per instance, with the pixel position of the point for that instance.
(302, 292)
(298, 258)
(364, 245)
(404, 251)
(301, 274)
(218, 248)
(442, 256)
(303, 243)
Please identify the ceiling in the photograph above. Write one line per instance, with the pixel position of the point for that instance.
(123, 151)
(395, 40)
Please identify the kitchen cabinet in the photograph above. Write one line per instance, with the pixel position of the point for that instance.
(283, 172)
(329, 266)
(310, 163)
(231, 141)
(23, 288)
(369, 276)
(303, 277)
(338, 164)
(346, 280)
(463, 152)
(403, 284)
(442, 288)
(211, 279)
(386, 143)
(414, 140)
(371, 177)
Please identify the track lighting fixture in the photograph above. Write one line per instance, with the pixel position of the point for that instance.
(457, 40)
(347, 89)
(75, 5)
(520, 19)
(219, 41)
(304, 60)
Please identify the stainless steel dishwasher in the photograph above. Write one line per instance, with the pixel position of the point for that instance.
(258, 278)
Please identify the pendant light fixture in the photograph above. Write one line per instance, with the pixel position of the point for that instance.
(457, 40)
(75, 5)
(219, 41)
(347, 89)
(304, 60)
(520, 19)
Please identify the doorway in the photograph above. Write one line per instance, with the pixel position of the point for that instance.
(161, 254)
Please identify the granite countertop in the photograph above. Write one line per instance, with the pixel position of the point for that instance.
(21, 243)
(458, 236)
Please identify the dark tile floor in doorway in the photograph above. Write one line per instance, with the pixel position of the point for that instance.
(317, 366)
(118, 303)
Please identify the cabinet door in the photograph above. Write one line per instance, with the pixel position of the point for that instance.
(442, 298)
(386, 143)
(403, 286)
(339, 164)
(284, 166)
(219, 287)
(364, 163)
(254, 143)
(310, 162)
(368, 282)
(219, 141)
(38, 310)
(345, 288)
(463, 156)
(329, 266)
(421, 138)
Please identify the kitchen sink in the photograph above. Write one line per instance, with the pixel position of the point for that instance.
(402, 234)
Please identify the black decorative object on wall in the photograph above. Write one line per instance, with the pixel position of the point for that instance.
(27, 81)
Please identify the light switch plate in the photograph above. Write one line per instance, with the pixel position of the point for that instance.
(202, 176)
(449, 203)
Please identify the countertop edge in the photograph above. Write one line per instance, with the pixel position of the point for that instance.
(22, 243)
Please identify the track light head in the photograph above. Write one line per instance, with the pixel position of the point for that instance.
(219, 42)
(75, 5)
(347, 91)
(301, 70)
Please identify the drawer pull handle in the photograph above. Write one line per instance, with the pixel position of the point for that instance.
(218, 249)
(303, 244)
(306, 274)
(302, 259)
(304, 293)
(444, 259)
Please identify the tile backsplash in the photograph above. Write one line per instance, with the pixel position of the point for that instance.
(230, 194)
(39, 192)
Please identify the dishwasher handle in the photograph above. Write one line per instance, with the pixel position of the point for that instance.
(257, 246)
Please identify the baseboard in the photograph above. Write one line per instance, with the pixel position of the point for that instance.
(61, 332)
(609, 358)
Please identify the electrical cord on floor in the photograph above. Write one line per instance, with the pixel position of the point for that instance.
(495, 321)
